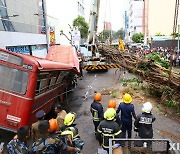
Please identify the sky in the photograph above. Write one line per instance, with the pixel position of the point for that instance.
(110, 10)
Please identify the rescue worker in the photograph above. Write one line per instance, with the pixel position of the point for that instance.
(60, 116)
(108, 128)
(70, 125)
(34, 128)
(144, 121)
(47, 144)
(19, 145)
(97, 110)
(127, 111)
(112, 104)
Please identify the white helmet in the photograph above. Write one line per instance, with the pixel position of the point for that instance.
(147, 107)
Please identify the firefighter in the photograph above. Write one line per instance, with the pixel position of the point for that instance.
(127, 111)
(112, 104)
(60, 116)
(108, 128)
(34, 128)
(47, 144)
(70, 125)
(97, 110)
(19, 145)
(144, 121)
(70, 132)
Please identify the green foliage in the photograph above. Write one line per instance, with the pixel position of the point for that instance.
(159, 34)
(120, 34)
(170, 103)
(143, 66)
(137, 80)
(159, 59)
(159, 108)
(115, 94)
(138, 37)
(175, 35)
(81, 25)
(104, 35)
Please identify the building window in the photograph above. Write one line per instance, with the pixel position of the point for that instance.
(22, 16)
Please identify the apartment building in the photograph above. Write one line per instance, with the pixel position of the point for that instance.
(22, 27)
(135, 16)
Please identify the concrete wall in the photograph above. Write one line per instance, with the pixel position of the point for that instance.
(161, 16)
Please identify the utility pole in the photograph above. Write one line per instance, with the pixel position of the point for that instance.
(46, 23)
(178, 36)
(174, 35)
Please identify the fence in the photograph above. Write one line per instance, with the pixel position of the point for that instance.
(144, 146)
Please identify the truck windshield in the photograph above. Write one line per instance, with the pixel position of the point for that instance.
(13, 79)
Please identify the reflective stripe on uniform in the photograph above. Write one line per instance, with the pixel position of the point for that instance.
(95, 115)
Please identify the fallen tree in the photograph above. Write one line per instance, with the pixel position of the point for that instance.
(158, 77)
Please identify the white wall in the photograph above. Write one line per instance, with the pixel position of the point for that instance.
(19, 39)
(161, 16)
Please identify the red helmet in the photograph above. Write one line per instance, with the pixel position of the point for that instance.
(112, 104)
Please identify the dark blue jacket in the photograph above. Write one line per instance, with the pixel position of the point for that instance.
(144, 124)
(97, 111)
(127, 110)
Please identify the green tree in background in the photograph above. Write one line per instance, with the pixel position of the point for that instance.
(138, 37)
(105, 34)
(120, 34)
(81, 25)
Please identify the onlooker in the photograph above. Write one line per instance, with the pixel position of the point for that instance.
(127, 111)
(19, 145)
(60, 116)
(34, 129)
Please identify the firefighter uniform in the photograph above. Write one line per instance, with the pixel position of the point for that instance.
(126, 118)
(97, 113)
(127, 111)
(144, 124)
(108, 128)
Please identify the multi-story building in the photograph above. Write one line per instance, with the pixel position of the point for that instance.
(22, 27)
(30, 26)
(135, 16)
(159, 17)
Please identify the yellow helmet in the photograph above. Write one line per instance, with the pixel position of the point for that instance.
(127, 98)
(110, 114)
(67, 132)
(69, 118)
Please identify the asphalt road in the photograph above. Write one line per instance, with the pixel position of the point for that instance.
(164, 127)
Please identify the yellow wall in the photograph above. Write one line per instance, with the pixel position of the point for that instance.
(161, 16)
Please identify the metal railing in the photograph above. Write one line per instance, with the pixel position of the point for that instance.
(143, 146)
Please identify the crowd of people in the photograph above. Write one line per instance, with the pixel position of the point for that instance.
(164, 52)
(54, 136)
(111, 124)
